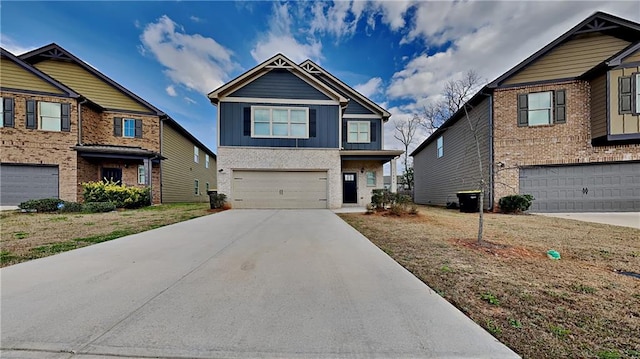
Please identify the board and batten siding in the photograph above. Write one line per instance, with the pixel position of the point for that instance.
(354, 107)
(621, 123)
(15, 77)
(375, 135)
(599, 106)
(89, 85)
(179, 171)
(436, 179)
(570, 59)
(278, 84)
(232, 127)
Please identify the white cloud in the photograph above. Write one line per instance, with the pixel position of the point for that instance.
(195, 18)
(193, 61)
(339, 18)
(280, 39)
(7, 43)
(370, 88)
(171, 91)
(189, 100)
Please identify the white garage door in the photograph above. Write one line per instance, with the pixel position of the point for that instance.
(19, 183)
(607, 187)
(269, 189)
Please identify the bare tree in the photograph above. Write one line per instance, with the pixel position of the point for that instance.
(482, 181)
(405, 131)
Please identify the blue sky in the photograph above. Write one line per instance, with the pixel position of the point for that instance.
(399, 53)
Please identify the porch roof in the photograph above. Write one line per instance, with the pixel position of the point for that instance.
(117, 152)
(370, 155)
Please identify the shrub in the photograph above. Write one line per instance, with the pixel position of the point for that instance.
(41, 205)
(380, 198)
(69, 207)
(120, 195)
(516, 203)
(217, 200)
(98, 207)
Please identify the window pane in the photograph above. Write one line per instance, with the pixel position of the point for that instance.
(261, 115)
(298, 116)
(353, 137)
(363, 127)
(280, 129)
(280, 116)
(129, 128)
(49, 109)
(363, 137)
(50, 123)
(540, 100)
(539, 117)
(371, 178)
(261, 129)
(141, 174)
(298, 130)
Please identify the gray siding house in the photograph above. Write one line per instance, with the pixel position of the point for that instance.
(294, 136)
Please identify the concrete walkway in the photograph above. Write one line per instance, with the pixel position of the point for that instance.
(237, 284)
(624, 219)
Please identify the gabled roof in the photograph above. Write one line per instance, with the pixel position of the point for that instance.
(314, 68)
(69, 92)
(55, 51)
(278, 61)
(598, 22)
(176, 126)
(616, 60)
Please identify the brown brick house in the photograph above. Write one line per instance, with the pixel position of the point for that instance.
(562, 125)
(101, 131)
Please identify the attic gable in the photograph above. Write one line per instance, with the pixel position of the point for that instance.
(277, 64)
(86, 80)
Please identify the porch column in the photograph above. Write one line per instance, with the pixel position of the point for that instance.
(147, 171)
(394, 176)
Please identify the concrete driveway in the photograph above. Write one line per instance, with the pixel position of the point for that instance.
(238, 284)
(624, 219)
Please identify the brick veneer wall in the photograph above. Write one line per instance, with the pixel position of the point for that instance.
(567, 143)
(21, 145)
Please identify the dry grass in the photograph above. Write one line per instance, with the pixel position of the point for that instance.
(26, 236)
(577, 307)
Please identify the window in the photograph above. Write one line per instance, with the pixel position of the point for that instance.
(128, 127)
(6, 112)
(281, 122)
(541, 108)
(206, 161)
(50, 116)
(637, 83)
(196, 187)
(371, 179)
(440, 145)
(196, 154)
(358, 131)
(141, 175)
(1, 112)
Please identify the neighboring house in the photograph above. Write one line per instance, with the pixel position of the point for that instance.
(82, 127)
(400, 182)
(294, 136)
(562, 125)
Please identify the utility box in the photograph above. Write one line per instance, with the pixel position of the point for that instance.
(469, 201)
(212, 198)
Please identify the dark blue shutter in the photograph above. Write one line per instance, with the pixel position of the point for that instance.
(117, 126)
(65, 117)
(373, 131)
(344, 131)
(312, 123)
(7, 104)
(523, 110)
(138, 128)
(561, 107)
(246, 121)
(31, 115)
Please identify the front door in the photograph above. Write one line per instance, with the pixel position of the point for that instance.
(349, 188)
(113, 174)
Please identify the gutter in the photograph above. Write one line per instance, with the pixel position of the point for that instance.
(80, 120)
(491, 193)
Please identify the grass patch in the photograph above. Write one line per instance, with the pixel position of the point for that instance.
(575, 307)
(54, 248)
(59, 219)
(6, 256)
(21, 235)
(106, 237)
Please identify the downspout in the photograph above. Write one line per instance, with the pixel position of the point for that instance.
(80, 121)
(491, 193)
(162, 119)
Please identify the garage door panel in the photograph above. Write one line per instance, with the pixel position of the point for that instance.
(19, 183)
(279, 189)
(583, 188)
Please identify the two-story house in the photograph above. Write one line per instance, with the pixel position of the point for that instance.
(88, 128)
(294, 136)
(563, 125)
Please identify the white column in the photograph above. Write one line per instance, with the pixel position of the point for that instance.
(394, 176)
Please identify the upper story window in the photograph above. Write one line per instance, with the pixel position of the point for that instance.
(127, 127)
(196, 154)
(629, 94)
(358, 131)
(206, 161)
(280, 122)
(49, 116)
(440, 146)
(541, 108)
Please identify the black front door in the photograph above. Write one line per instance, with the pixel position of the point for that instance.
(349, 188)
(113, 174)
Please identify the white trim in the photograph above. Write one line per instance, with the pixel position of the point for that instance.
(218, 126)
(125, 119)
(271, 108)
(357, 124)
(340, 119)
(372, 116)
(279, 101)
